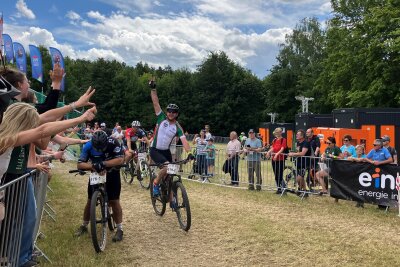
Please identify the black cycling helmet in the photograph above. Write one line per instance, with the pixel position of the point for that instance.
(7, 91)
(173, 107)
(99, 140)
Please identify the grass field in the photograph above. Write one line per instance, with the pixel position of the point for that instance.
(230, 227)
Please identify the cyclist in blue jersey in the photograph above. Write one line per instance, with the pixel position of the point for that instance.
(166, 129)
(104, 153)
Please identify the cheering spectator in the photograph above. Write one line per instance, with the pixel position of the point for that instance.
(331, 152)
(392, 150)
(232, 155)
(302, 161)
(348, 149)
(279, 144)
(253, 148)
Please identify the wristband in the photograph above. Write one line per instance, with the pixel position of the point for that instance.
(72, 105)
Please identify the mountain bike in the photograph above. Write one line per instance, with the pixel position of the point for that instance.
(171, 188)
(100, 211)
(140, 169)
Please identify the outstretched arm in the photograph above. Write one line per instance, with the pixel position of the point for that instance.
(52, 128)
(55, 114)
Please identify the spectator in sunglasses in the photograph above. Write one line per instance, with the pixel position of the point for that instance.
(379, 155)
(348, 149)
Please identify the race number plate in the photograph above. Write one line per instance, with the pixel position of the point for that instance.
(142, 156)
(96, 178)
(172, 169)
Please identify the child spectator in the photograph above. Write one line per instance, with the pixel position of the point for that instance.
(210, 148)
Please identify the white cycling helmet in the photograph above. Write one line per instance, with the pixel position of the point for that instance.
(135, 123)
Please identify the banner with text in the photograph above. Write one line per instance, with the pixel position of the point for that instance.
(8, 48)
(20, 57)
(36, 62)
(57, 57)
(360, 181)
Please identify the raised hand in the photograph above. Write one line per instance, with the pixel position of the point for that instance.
(56, 76)
(89, 114)
(152, 83)
(84, 99)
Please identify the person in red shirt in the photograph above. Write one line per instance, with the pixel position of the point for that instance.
(279, 144)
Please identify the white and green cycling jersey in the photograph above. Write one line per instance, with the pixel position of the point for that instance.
(165, 132)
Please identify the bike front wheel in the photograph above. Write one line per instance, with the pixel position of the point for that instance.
(98, 221)
(183, 207)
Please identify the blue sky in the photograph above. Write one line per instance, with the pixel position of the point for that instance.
(170, 32)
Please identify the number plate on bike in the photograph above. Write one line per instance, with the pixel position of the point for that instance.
(96, 178)
(142, 156)
(172, 169)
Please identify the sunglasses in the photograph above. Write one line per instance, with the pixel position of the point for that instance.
(171, 111)
(346, 140)
(328, 143)
(376, 145)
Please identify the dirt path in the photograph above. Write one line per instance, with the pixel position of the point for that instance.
(233, 227)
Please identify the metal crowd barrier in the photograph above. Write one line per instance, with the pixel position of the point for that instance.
(301, 175)
(15, 195)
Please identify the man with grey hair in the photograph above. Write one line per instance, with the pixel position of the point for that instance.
(233, 150)
(379, 155)
(392, 150)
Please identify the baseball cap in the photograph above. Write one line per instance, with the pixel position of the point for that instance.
(385, 138)
(7, 91)
(102, 124)
(251, 131)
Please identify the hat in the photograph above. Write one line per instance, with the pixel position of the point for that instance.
(102, 124)
(251, 131)
(7, 91)
(385, 138)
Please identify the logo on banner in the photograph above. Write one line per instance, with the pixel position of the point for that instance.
(376, 179)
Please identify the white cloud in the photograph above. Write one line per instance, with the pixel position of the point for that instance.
(72, 15)
(130, 5)
(23, 10)
(96, 15)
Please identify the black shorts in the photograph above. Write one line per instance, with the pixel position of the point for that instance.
(113, 185)
(160, 156)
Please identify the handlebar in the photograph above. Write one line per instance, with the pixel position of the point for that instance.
(181, 162)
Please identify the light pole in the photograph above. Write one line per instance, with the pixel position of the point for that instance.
(304, 102)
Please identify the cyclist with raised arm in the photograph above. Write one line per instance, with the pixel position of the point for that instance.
(167, 127)
(104, 153)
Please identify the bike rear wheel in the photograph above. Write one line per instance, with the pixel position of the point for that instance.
(98, 221)
(145, 175)
(159, 205)
(183, 207)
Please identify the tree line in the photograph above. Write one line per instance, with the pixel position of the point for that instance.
(352, 61)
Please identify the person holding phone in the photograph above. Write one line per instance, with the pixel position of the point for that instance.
(253, 147)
